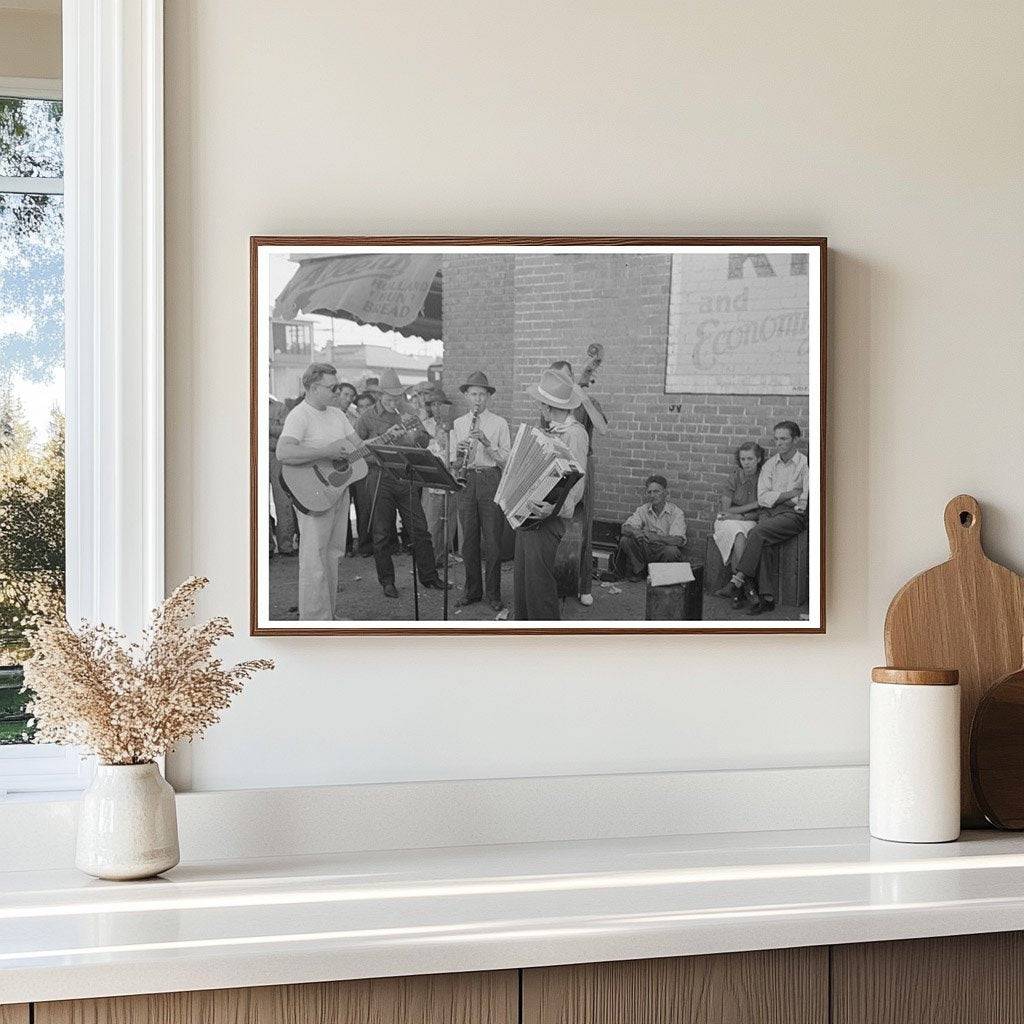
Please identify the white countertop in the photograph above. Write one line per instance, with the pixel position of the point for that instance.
(262, 922)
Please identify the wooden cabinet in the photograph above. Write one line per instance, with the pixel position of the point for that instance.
(777, 986)
(490, 998)
(962, 979)
(970, 979)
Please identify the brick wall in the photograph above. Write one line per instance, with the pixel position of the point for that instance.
(477, 309)
(512, 315)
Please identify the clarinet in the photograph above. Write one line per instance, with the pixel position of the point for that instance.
(466, 451)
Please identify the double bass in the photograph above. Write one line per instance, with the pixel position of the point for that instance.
(575, 556)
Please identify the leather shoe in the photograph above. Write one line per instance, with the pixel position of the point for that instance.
(465, 602)
(763, 604)
(495, 606)
(437, 584)
(390, 590)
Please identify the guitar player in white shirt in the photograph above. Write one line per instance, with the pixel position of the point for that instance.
(315, 430)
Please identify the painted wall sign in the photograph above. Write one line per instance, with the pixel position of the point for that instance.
(738, 324)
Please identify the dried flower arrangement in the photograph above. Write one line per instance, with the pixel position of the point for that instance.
(130, 703)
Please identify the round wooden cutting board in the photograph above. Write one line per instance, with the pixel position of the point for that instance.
(997, 753)
(967, 614)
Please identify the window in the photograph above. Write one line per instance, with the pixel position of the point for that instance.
(32, 513)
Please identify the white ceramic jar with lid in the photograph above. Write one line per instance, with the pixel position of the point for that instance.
(915, 755)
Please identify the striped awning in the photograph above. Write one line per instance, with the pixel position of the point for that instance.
(396, 291)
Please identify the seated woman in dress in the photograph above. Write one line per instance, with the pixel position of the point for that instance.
(739, 511)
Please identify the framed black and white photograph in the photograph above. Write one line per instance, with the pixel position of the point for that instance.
(477, 435)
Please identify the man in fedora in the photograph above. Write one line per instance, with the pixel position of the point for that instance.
(535, 587)
(484, 440)
(389, 493)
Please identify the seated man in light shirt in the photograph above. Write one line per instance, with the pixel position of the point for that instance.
(655, 532)
(782, 493)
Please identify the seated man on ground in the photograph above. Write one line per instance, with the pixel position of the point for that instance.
(655, 532)
(782, 493)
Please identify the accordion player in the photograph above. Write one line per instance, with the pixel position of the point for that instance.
(540, 470)
(538, 491)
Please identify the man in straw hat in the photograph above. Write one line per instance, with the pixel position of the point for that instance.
(535, 586)
(389, 493)
(483, 440)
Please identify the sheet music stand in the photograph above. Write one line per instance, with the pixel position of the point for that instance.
(424, 468)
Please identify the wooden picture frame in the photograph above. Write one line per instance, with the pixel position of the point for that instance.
(748, 329)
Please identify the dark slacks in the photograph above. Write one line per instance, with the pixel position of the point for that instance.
(635, 553)
(480, 536)
(285, 527)
(433, 509)
(535, 589)
(393, 495)
(361, 498)
(772, 529)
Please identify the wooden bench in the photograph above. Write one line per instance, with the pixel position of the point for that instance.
(791, 570)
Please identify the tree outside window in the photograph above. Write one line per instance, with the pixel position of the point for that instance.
(31, 386)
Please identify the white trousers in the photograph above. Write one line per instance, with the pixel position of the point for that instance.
(321, 546)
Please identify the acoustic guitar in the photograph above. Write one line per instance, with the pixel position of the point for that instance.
(316, 487)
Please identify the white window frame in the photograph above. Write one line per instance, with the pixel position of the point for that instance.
(114, 333)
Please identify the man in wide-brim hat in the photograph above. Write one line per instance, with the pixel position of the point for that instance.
(390, 494)
(484, 441)
(535, 589)
(557, 390)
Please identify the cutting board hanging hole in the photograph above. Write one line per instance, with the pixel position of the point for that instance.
(963, 526)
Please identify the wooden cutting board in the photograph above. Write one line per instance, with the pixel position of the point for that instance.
(967, 614)
(997, 752)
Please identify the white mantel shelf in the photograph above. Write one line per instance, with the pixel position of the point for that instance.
(267, 922)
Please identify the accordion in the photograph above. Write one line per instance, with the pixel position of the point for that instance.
(539, 468)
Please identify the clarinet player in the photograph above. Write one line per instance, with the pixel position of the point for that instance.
(482, 445)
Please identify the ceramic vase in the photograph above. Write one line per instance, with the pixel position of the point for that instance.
(127, 825)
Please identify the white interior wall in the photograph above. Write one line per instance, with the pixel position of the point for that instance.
(894, 129)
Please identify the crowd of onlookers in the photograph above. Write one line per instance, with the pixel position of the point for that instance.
(763, 505)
